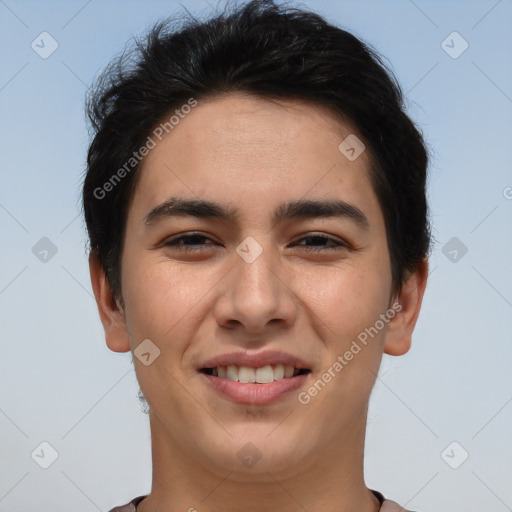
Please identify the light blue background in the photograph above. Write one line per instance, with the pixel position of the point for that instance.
(61, 384)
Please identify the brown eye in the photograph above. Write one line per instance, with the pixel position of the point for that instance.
(191, 242)
(321, 242)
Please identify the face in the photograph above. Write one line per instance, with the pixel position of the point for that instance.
(291, 266)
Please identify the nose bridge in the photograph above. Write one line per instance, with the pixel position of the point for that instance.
(256, 293)
(255, 278)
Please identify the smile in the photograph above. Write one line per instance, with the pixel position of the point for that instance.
(254, 386)
(262, 375)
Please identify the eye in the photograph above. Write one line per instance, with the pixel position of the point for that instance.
(323, 240)
(191, 242)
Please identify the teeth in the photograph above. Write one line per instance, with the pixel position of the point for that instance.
(263, 375)
(232, 372)
(246, 374)
(279, 371)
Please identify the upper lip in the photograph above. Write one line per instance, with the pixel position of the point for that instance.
(257, 360)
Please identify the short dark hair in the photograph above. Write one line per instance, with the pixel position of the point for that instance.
(270, 51)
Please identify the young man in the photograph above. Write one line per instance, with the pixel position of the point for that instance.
(255, 201)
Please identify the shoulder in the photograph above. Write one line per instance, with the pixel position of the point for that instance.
(129, 507)
(392, 506)
(388, 505)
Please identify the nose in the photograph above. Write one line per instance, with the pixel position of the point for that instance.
(256, 296)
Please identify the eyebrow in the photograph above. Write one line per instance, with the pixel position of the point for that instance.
(300, 209)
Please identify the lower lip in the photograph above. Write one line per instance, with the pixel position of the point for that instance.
(256, 394)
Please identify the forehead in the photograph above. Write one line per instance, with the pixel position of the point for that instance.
(251, 152)
(235, 126)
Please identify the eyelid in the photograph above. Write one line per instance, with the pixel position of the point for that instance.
(187, 234)
(340, 242)
(320, 234)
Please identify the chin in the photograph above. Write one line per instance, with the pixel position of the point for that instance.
(257, 450)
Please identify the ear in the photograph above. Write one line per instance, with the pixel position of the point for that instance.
(111, 313)
(407, 306)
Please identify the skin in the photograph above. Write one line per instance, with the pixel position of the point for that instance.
(253, 154)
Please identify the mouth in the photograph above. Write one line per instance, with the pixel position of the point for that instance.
(255, 386)
(251, 375)
(255, 378)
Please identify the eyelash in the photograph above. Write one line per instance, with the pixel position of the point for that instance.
(175, 242)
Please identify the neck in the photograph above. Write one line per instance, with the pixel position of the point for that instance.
(330, 481)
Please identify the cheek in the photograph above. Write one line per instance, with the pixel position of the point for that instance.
(347, 298)
(159, 296)
(348, 307)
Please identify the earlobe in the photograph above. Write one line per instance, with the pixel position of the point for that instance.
(399, 331)
(110, 310)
